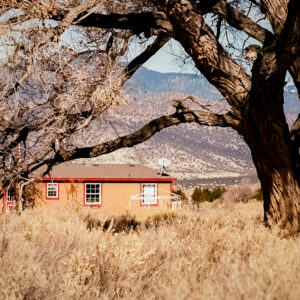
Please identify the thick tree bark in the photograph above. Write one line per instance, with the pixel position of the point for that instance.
(266, 132)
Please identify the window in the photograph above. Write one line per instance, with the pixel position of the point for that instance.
(92, 193)
(149, 191)
(10, 196)
(52, 190)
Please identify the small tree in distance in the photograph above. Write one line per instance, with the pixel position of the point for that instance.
(204, 194)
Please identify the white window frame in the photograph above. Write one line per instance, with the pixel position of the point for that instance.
(145, 201)
(99, 196)
(56, 190)
(9, 197)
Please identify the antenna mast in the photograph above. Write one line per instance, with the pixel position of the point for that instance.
(164, 163)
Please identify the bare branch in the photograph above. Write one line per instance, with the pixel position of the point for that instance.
(51, 33)
(241, 22)
(159, 42)
(145, 22)
(179, 117)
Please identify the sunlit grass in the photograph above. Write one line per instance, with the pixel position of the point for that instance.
(206, 253)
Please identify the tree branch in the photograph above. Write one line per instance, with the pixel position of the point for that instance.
(159, 42)
(241, 22)
(148, 22)
(212, 60)
(269, 71)
(276, 11)
(51, 33)
(295, 133)
(154, 22)
(295, 73)
(282, 52)
(146, 132)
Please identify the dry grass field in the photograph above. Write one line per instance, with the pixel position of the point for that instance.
(209, 253)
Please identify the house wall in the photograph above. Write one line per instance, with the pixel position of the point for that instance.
(115, 197)
(5, 206)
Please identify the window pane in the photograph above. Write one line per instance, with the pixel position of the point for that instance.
(149, 194)
(52, 190)
(92, 193)
(9, 196)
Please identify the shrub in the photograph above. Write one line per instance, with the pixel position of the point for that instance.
(216, 193)
(181, 193)
(204, 194)
(157, 219)
(123, 223)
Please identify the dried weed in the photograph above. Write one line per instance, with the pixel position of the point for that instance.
(211, 253)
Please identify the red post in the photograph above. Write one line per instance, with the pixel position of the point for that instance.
(4, 203)
(171, 193)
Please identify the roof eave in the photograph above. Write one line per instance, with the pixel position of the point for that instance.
(168, 179)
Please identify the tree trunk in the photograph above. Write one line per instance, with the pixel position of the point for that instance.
(279, 183)
(267, 134)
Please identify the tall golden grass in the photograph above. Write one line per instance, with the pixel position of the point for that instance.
(208, 253)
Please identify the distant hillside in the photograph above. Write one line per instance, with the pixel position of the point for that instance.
(292, 102)
(147, 81)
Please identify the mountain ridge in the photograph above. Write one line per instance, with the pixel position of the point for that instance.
(146, 81)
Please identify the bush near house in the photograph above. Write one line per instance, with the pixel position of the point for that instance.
(116, 224)
(181, 193)
(204, 194)
(157, 219)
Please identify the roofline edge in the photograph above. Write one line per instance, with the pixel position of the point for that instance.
(170, 179)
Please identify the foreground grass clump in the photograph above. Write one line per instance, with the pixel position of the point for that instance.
(123, 223)
(210, 253)
(164, 217)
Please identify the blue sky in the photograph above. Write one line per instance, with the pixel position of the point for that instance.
(170, 59)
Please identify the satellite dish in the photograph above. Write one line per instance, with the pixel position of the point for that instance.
(164, 162)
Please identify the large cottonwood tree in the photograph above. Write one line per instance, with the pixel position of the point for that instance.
(255, 97)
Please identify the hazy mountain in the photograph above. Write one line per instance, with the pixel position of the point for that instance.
(291, 100)
(146, 81)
